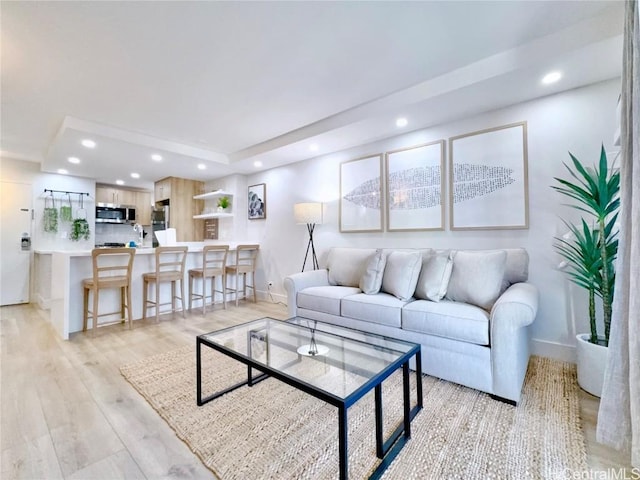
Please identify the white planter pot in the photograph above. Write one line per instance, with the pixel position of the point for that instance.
(592, 360)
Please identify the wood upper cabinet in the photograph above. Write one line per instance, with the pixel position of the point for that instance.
(105, 195)
(163, 189)
(140, 199)
(179, 193)
(143, 207)
(116, 196)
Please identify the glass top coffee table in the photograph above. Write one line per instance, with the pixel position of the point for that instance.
(299, 351)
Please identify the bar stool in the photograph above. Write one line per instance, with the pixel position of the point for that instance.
(108, 273)
(169, 268)
(246, 256)
(214, 260)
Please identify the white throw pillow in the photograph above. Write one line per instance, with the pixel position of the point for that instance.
(434, 277)
(401, 274)
(476, 277)
(346, 265)
(371, 279)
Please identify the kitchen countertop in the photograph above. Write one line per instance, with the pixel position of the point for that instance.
(194, 247)
(70, 267)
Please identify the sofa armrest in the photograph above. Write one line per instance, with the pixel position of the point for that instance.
(515, 310)
(518, 305)
(299, 281)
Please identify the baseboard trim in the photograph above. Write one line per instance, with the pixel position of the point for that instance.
(274, 298)
(558, 351)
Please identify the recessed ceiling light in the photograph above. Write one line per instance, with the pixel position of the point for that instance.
(135, 175)
(156, 157)
(62, 171)
(75, 160)
(119, 182)
(257, 164)
(551, 77)
(401, 122)
(88, 143)
(202, 166)
(314, 147)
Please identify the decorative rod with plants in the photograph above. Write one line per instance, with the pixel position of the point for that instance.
(591, 251)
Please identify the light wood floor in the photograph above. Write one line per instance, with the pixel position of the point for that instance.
(66, 412)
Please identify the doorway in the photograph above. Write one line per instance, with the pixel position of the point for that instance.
(15, 250)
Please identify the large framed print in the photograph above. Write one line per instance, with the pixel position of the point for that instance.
(415, 188)
(361, 195)
(488, 179)
(257, 201)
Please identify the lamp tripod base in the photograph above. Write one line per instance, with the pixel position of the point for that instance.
(313, 350)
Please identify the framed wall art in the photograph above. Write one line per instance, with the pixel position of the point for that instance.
(361, 195)
(257, 201)
(488, 179)
(415, 188)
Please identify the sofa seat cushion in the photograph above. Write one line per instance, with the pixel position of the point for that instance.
(382, 308)
(454, 320)
(324, 299)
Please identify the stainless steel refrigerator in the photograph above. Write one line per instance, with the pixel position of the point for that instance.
(159, 221)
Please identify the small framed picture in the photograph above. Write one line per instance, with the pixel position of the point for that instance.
(257, 201)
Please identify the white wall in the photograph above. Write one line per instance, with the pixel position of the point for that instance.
(28, 172)
(18, 171)
(577, 121)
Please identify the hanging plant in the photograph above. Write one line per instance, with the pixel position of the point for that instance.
(66, 214)
(50, 215)
(80, 229)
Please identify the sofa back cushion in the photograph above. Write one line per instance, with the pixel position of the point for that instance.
(401, 274)
(477, 277)
(346, 265)
(434, 276)
(371, 279)
(516, 268)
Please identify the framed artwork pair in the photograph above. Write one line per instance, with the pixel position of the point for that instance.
(487, 185)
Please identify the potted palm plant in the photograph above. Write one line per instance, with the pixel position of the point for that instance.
(589, 251)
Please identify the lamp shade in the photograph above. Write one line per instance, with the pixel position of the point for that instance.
(308, 213)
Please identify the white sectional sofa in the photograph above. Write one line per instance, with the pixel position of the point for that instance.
(469, 309)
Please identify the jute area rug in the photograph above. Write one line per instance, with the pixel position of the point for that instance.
(272, 430)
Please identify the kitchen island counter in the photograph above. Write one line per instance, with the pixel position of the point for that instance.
(70, 267)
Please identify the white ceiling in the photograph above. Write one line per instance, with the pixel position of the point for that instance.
(228, 83)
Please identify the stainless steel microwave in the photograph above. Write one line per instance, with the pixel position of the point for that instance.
(109, 213)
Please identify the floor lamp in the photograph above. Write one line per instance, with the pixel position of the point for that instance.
(311, 215)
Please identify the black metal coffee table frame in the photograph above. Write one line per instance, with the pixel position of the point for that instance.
(386, 450)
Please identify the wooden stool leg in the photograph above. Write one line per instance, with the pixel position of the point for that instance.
(145, 285)
(204, 294)
(157, 300)
(253, 286)
(237, 289)
(213, 292)
(95, 310)
(244, 286)
(224, 293)
(122, 303)
(182, 296)
(85, 308)
(173, 297)
(129, 306)
(190, 290)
